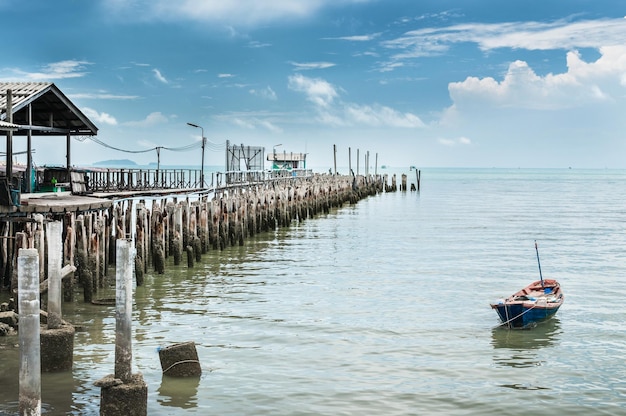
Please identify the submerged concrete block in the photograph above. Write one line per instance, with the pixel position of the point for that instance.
(128, 399)
(57, 348)
(180, 360)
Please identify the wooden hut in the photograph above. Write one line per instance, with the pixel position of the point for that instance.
(38, 109)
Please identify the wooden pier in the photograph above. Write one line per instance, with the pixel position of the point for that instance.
(167, 222)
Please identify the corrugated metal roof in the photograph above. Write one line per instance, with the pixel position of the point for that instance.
(52, 113)
(7, 126)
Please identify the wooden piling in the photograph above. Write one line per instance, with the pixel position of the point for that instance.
(170, 225)
(158, 240)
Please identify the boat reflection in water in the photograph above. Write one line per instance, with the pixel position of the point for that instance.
(520, 348)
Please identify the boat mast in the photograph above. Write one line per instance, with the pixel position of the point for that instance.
(539, 263)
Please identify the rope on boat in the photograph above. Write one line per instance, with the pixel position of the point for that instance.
(506, 311)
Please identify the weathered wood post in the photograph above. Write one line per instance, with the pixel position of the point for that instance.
(40, 244)
(123, 393)
(177, 234)
(140, 256)
(85, 275)
(68, 255)
(29, 335)
(418, 174)
(158, 240)
(214, 225)
(204, 227)
(190, 256)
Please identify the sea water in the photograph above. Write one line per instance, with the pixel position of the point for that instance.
(382, 308)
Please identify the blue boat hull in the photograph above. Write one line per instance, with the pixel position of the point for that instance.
(520, 316)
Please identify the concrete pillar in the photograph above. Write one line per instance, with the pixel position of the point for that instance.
(123, 393)
(123, 309)
(55, 257)
(30, 361)
(57, 341)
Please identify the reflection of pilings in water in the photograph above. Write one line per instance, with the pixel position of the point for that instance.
(29, 335)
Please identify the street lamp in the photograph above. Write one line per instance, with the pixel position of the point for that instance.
(203, 142)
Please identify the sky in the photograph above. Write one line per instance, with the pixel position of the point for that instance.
(427, 83)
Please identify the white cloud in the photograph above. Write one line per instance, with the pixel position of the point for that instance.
(255, 123)
(583, 83)
(159, 76)
(225, 75)
(380, 116)
(257, 44)
(255, 120)
(453, 142)
(231, 12)
(332, 111)
(318, 91)
(267, 93)
(50, 72)
(101, 96)
(560, 34)
(150, 120)
(147, 144)
(99, 117)
(357, 38)
(311, 65)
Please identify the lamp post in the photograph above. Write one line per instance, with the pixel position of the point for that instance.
(203, 143)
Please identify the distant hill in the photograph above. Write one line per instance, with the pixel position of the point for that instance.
(115, 162)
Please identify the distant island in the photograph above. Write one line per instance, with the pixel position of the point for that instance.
(115, 162)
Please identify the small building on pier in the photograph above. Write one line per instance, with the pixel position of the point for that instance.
(30, 109)
(288, 161)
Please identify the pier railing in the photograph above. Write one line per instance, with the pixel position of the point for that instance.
(115, 180)
(261, 176)
(112, 180)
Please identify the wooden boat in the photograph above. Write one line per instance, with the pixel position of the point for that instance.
(538, 301)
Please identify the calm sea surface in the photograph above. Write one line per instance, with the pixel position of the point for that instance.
(382, 308)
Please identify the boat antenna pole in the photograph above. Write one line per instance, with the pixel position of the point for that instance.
(538, 263)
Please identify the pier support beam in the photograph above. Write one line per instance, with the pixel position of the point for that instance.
(123, 393)
(29, 335)
(57, 341)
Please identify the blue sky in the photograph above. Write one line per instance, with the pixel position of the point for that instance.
(438, 83)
